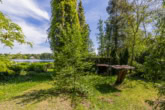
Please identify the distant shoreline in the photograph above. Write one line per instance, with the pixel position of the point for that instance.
(32, 60)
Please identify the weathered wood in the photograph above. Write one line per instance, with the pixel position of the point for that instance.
(119, 67)
(123, 72)
(103, 68)
(102, 65)
(121, 77)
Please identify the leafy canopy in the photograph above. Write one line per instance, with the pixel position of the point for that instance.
(10, 32)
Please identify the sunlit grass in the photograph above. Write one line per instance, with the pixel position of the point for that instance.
(131, 95)
(15, 86)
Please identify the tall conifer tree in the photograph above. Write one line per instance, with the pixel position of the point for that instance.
(66, 42)
(85, 31)
(101, 38)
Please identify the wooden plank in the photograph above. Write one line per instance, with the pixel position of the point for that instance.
(118, 67)
(103, 65)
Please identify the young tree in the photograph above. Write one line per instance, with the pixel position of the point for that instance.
(66, 43)
(101, 38)
(85, 30)
(140, 16)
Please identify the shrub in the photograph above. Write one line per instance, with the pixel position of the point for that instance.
(5, 65)
(124, 57)
(17, 68)
(154, 69)
(38, 67)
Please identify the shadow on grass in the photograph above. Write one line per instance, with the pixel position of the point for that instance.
(150, 102)
(106, 88)
(157, 104)
(37, 96)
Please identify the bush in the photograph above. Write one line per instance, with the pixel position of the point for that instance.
(17, 68)
(35, 67)
(38, 67)
(5, 70)
(154, 69)
(5, 64)
(8, 68)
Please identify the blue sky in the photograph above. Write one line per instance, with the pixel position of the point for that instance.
(34, 18)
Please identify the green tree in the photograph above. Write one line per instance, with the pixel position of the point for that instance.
(85, 30)
(139, 17)
(101, 38)
(10, 32)
(116, 26)
(160, 53)
(66, 43)
(154, 63)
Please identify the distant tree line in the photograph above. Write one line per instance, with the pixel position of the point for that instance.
(28, 56)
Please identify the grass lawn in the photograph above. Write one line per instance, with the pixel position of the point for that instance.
(36, 93)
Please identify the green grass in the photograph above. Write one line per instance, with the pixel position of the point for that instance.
(34, 92)
(15, 86)
(131, 95)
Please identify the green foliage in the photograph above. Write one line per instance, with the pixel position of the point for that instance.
(85, 30)
(10, 32)
(17, 68)
(86, 41)
(5, 70)
(124, 56)
(5, 63)
(37, 67)
(153, 69)
(155, 62)
(67, 43)
(45, 56)
(116, 26)
(115, 57)
(101, 38)
(10, 69)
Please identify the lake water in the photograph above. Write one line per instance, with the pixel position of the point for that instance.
(31, 60)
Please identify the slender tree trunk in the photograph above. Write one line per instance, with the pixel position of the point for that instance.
(133, 50)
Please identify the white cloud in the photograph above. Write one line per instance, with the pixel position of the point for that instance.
(23, 8)
(36, 35)
(25, 49)
(33, 34)
(18, 11)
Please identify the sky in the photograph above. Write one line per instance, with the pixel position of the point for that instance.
(33, 16)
